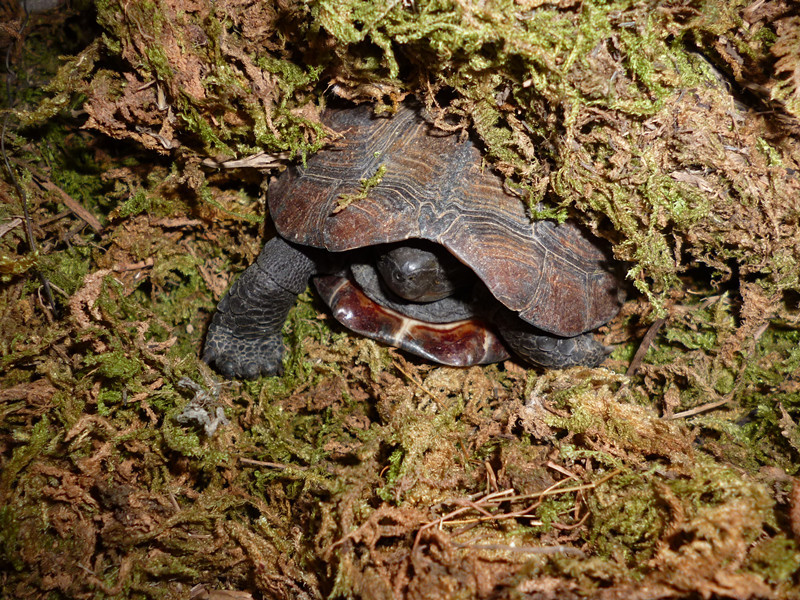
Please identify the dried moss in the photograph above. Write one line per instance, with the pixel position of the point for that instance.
(340, 477)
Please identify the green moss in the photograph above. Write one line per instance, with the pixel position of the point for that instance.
(206, 196)
(190, 442)
(141, 201)
(627, 519)
(13, 265)
(707, 327)
(114, 365)
(367, 184)
(11, 545)
(598, 110)
(777, 559)
(69, 407)
(292, 75)
(395, 463)
(169, 567)
(31, 444)
(159, 63)
(67, 268)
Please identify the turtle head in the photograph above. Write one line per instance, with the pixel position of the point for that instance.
(421, 274)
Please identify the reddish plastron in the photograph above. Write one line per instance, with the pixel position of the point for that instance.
(458, 344)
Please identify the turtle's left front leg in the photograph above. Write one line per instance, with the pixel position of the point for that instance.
(244, 338)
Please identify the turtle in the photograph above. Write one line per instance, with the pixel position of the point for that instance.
(413, 240)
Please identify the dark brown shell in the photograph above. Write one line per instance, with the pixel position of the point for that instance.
(436, 187)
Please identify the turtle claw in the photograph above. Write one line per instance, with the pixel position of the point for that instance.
(237, 357)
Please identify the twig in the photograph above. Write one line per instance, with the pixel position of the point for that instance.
(701, 409)
(571, 527)
(562, 470)
(496, 498)
(525, 549)
(458, 511)
(794, 508)
(578, 488)
(12, 224)
(72, 204)
(54, 218)
(271, 465)
(417, 383)
(137, 266)
(647, 341)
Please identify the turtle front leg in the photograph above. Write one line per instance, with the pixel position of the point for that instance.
(244, 338)
(550, 351)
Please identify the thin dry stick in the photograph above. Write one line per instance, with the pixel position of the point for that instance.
(647, 341)
(520, 513)
(701, 409)
(73, 205)
(552, 491)
(271, 465)
(413, 380)
(478, 508)
(496, 498)
(562, 470)
(501, 494)
(573, 526)
(525, 549)
(137, 266)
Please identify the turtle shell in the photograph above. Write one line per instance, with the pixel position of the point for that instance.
(460, 343)
(436, 187)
